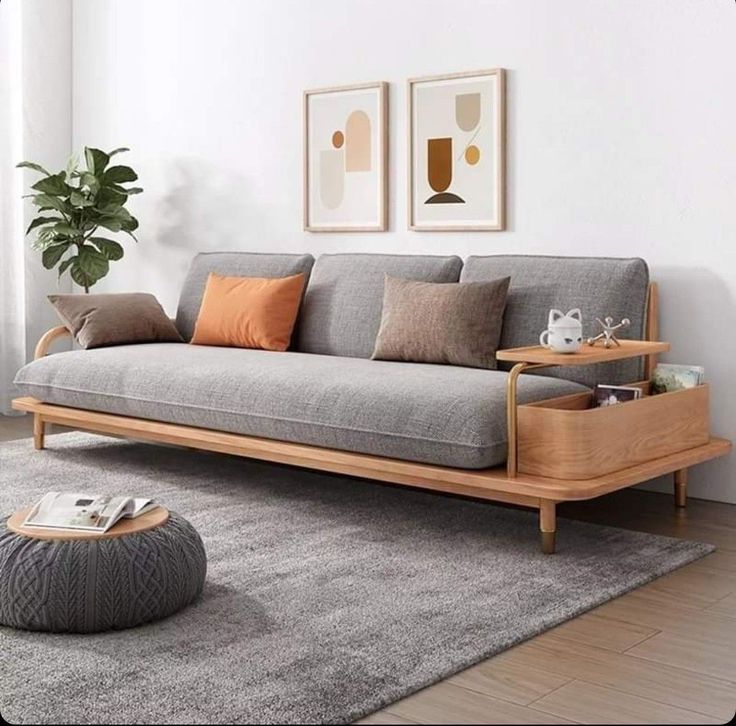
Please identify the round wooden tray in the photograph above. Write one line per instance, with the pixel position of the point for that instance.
(155, 518)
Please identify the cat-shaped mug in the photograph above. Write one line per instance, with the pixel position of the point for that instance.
(564, 332)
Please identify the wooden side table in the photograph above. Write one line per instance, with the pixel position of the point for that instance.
(535, 357)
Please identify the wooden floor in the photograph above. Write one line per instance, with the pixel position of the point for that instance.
(663, 654)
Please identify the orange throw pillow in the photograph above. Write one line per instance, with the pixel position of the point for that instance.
(248, 312)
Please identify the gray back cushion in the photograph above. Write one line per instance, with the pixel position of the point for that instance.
(233, 264)
(341, 313)
(598, 286)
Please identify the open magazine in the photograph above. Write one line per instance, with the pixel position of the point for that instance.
(89, 512)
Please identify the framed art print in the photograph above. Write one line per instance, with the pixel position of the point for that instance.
(345, 158)
(457, 151)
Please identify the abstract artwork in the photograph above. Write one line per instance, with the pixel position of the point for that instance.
(345, 158)
(457, 151)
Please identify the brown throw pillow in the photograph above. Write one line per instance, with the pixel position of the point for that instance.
(456, 323)
(115, 319)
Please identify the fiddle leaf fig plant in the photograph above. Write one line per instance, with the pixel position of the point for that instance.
(75, 208)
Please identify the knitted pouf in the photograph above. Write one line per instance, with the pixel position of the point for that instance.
(90, 585)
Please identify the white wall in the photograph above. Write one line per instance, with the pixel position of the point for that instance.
(621, 137)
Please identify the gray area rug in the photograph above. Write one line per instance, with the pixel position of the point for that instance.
(326, 599)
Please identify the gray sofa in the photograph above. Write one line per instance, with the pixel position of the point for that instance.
(326, 391)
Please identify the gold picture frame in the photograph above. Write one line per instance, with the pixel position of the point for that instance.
(470, 108)
(345, 174)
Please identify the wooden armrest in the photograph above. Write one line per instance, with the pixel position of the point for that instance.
(47, 339)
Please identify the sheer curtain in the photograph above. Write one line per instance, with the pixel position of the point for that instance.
(12, 268)
(35, 124)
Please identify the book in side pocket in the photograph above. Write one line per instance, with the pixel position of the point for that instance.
(605, 395)
(673, 377)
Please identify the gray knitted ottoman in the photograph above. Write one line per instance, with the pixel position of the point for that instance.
(76, 582)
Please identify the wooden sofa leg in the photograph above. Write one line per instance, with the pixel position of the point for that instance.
(548, 525)
(39, 431)
(681, 488)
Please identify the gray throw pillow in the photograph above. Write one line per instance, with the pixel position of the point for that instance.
(456, 323)
(115, 319)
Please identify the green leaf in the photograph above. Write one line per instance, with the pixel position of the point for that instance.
(130, 190)
(80, 277)
(112, 223)
(111, 249)
(46, 201)
(31, 165)
(122, 214)
(107, 196)
(71, 166)
(118, 174)
(44, 244)
(96, 160)
(54, 185)
(89, 267)
(46, 234)
(110, 210)
(128, 225)
(90, 181)
(67, 230)
(79, 200)
(51, 255)
(118, 151)
(65, 264)
(38, 221)
(45, 239)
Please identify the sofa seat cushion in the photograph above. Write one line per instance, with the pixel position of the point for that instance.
(421, 412)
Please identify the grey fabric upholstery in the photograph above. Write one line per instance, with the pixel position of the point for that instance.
(234, 264)
(341, 312)
(421, 412)
(86, 586)
(598, 286)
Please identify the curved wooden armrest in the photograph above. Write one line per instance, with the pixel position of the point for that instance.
(48, 338)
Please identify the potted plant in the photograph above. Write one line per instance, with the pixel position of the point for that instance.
(79, 203)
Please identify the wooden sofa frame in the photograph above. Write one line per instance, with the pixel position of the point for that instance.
(500, 484)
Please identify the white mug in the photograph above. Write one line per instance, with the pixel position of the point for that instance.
(564, 332)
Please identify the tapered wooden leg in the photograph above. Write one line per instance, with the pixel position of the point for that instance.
(548, 525)
(681, 488)
(39, 431)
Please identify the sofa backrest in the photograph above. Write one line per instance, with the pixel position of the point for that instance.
(235, 264)
(599, 286)
(341, 312)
